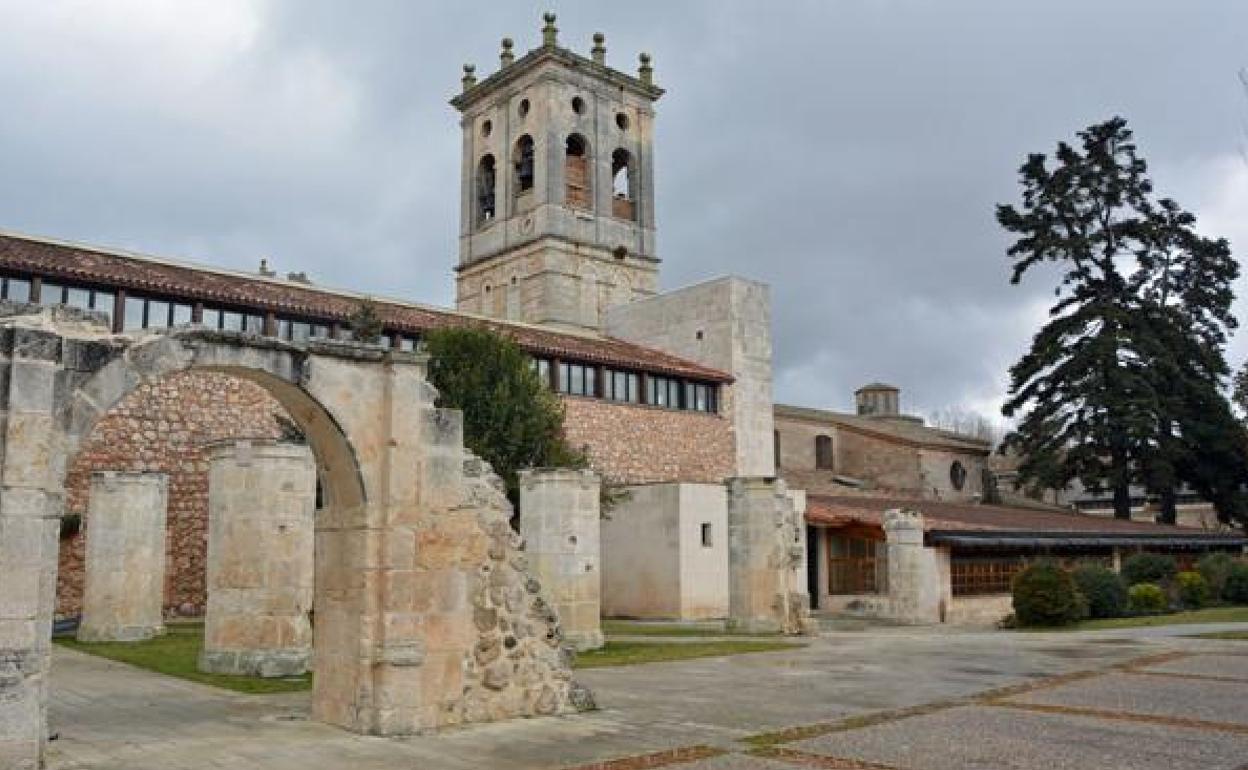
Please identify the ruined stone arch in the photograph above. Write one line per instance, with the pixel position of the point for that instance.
(423, 578)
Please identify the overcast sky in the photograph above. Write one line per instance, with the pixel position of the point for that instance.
(847, 153)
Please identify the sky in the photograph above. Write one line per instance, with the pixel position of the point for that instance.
(849, 153)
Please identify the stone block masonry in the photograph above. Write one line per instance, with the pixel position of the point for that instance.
(561, 522)
(262, 503)
(125, 575)
(766, 551)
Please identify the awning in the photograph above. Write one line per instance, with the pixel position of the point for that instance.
(987, 540)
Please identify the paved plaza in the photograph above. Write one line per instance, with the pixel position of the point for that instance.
(918, 699)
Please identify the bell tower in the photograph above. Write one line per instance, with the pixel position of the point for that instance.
(557, 190)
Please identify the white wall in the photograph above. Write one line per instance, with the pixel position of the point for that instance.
(703, 570)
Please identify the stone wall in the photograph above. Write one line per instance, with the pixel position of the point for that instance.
(657, 563)
(164, 426)
(726, 324)
(635, 444)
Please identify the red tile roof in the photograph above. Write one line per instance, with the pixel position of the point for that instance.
(142, 273)
(970, 517)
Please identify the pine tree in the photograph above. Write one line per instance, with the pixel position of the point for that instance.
(1124, 384)
(1083, 387)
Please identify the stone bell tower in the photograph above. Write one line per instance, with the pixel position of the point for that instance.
(557, 192)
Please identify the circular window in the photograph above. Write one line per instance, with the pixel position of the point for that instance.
(486, 128)
(578, 105)
(957, 475)
(621, 120)
(524, 107)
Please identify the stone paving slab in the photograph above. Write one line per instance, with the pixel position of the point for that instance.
(1226, 666)
(1202, 699)
(995, 738)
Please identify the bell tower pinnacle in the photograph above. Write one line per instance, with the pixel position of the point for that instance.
(557, 190)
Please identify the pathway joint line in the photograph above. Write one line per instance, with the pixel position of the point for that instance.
(822, 761)
(1124, 716)
(678, 756)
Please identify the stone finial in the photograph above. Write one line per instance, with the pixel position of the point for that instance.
(470, 76)
(506, 56)
(265, 270)
(550, 33)
(599, 50)
(645, 72)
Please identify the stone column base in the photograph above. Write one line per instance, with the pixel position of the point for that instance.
(269, 664)
(119, 633)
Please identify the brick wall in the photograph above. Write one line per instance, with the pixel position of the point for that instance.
(163, 427)
(639, 444)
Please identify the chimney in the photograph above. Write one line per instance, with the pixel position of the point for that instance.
(878, 399)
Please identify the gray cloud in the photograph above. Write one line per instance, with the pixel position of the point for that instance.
(848, 153)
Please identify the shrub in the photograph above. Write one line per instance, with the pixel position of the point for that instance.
(1103, 588)
(1149, 568)
(1235, 590)
(1146, 599)
(1046, 595)
(1193, 590)
(1215, 567)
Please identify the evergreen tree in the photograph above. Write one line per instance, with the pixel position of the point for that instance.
(1124, 383)
(1083, 388)
(511, 419)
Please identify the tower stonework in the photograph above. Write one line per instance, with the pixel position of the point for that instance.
(557, 193)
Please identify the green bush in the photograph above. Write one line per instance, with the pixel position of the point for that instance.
(1235, 590)
(1149, 568)
(1193, 590)
(1215, 567)
(1147, 599)
(1046, 595)
(1104, 590)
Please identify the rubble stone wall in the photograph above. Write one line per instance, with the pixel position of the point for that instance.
(635, 444)
(165, 426)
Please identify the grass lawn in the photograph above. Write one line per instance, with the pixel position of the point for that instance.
(630, 653)
(1208, 615)
(1229, 635)
(637, 628)
(176, 654)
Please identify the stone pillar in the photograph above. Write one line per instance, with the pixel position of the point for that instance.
(560, 521)
(125, 561)
(915, 586)
(765, 558)
(30, 511)
(261, 507)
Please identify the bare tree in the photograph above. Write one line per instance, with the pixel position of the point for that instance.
(967, 422)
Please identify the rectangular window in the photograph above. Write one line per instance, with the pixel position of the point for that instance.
(134, 313)
(231, 321)
(706, 535)
(320, 332)
(211, 318)
(673, 394)
(283, 329)
(541, 367)
(300, 331)
(79, 298)
(255, 324)
(102, 302)
(181, 315)
(157, 314)
(51, 293)
(407, 344)
(17, 289)
(857, 566)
